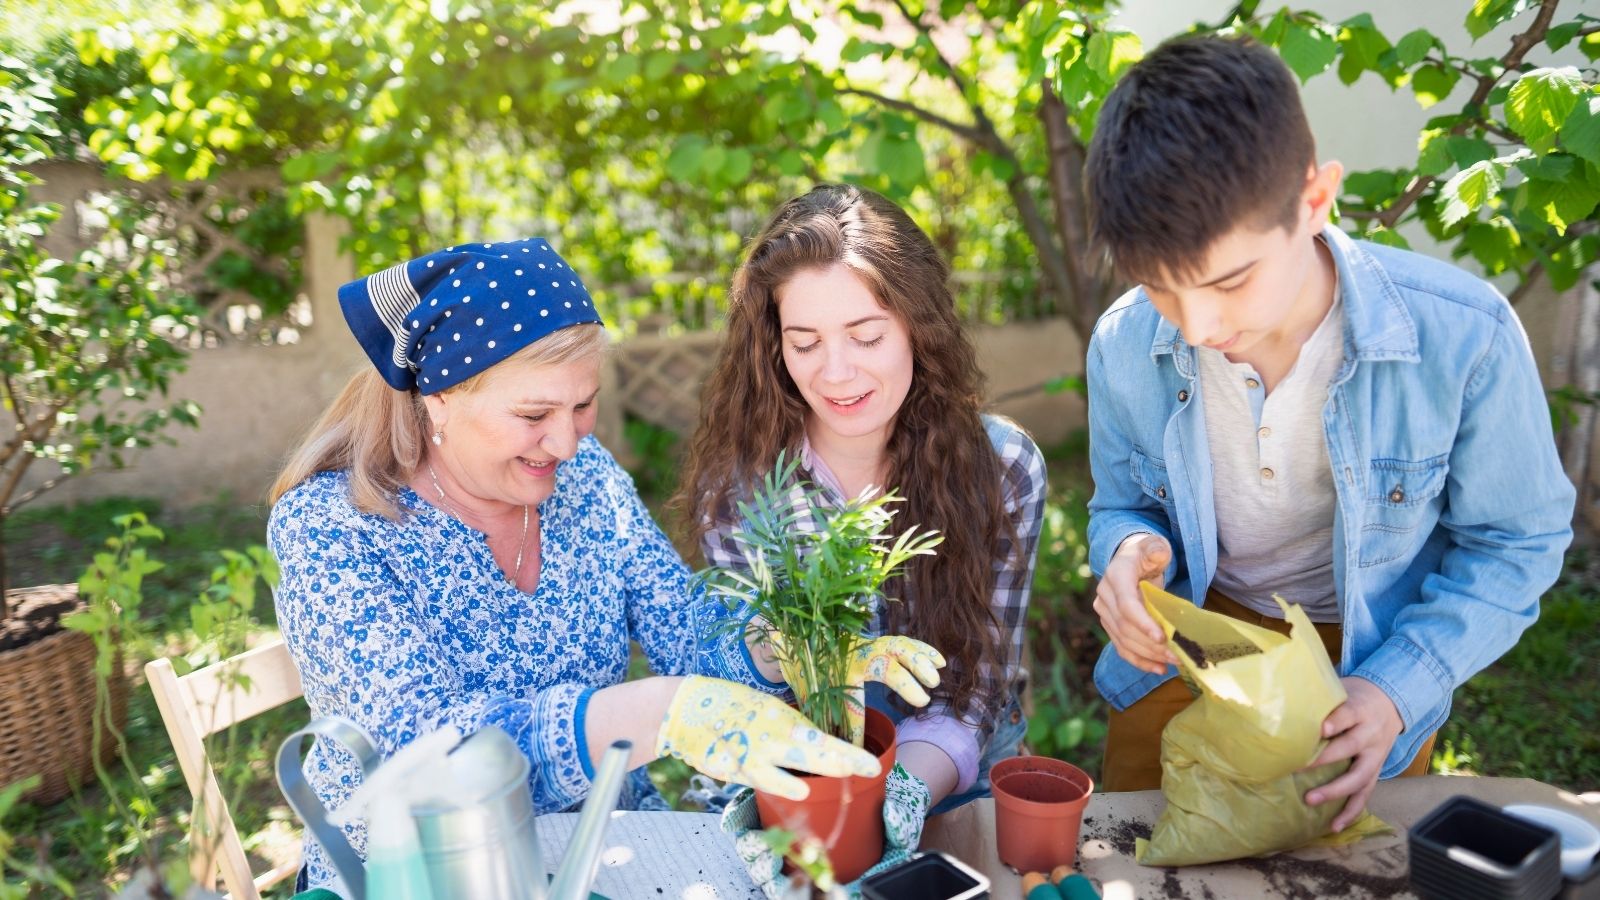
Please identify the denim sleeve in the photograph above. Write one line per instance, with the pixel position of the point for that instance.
(1119, 507)
(1508, 516)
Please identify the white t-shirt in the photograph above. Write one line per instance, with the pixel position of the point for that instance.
(1274, 491)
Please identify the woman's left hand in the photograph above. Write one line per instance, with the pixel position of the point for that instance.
(904, 665)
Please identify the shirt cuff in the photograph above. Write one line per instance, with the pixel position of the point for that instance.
(562, 771)
(958, 740)
(750, 660)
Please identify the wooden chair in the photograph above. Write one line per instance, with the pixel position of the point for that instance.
(201, 704)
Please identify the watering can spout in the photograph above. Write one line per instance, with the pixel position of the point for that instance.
(575, 878)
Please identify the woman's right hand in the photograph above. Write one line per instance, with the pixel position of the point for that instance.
(734, 733)
(1137, 637)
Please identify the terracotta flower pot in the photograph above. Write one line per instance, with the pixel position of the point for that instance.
(1038, 809)
(845, 814)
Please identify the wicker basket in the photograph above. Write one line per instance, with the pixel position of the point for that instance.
(47, 713)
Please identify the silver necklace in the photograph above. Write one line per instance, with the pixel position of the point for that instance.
(522, 545)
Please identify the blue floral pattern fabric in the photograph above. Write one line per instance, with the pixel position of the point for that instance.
(405, 626)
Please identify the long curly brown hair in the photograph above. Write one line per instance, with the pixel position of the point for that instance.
(751, 410)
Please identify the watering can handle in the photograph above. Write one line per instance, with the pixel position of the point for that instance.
(304, 801)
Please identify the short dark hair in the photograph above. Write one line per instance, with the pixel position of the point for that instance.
(1203, 135)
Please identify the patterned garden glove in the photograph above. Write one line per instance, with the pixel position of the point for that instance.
(897, 661)
(735, 733)
(905, 808)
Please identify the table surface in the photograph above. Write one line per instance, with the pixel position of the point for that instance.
(1375, 867)
(654, 855)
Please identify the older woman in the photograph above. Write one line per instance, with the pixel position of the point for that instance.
(457, 549)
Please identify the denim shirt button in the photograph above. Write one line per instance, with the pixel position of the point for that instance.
(1397, 495)
(1183, 396)
(1016, 716)
(1162, 492)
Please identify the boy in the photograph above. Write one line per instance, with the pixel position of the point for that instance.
(1278, 408)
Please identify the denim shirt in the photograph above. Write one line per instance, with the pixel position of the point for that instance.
(1453, 510)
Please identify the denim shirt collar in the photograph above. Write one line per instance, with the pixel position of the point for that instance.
(1377, 325)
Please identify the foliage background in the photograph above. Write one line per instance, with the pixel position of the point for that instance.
(649, 136)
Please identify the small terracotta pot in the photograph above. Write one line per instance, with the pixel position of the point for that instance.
(1038, 808)
(846, 814)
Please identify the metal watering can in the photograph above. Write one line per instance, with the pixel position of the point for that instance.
(448, 818)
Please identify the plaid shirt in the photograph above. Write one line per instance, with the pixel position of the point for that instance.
(964, 738)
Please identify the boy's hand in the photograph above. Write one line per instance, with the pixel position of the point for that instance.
(1363, 727)
(1137, 637)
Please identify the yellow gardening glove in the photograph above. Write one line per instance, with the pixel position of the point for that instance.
(897, 661)
(734, 733)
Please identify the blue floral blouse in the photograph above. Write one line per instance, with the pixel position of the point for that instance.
(403, 627)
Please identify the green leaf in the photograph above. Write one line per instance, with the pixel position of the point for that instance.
(900, 158)
(736, 167)
(1561, 35)
(1555, 167)
(657, 65)
(1433, 151)
(1495, 244)
(1540, 102)
(1469, 190)
(1468, 151)
(1388, 237)
(1487, 15)
(1362, 45)
(684, 162)
(620, 68)
(1413, 47)
(1307, 50)
(1558, 203)
(1580, 133)
(1112, 52)
(1433, 83)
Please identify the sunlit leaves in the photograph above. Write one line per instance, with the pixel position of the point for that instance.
(1487, 15)
(1540, 102)
(1469, 190)
(1308, 49)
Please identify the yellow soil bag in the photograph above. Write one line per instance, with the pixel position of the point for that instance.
(1231, 760)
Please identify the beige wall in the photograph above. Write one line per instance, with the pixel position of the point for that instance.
(256, 402)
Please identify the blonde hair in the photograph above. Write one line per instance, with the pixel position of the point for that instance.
(380, 434)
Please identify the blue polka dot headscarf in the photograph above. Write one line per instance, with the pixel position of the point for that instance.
(438, 320)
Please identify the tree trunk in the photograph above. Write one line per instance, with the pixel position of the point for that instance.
(1092, 283)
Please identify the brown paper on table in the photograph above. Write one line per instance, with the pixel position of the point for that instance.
(1232, 760)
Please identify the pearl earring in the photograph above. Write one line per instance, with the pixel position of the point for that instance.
(438, 437)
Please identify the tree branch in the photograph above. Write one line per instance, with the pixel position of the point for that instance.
(1520, 45)
(969, 132)
(1066, 160)
(983, 133)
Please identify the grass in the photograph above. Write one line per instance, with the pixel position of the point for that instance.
(1534, 714)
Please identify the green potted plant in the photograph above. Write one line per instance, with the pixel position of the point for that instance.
(79, 338)
(813, 593)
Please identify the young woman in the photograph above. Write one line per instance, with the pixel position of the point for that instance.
(843, 347)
